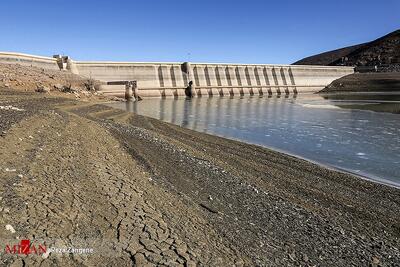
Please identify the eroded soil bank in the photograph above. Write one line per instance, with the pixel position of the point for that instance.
(365, 82)
(140, 191)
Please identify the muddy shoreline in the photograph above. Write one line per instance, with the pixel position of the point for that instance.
(154, 193)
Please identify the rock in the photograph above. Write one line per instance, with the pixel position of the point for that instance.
(67, 89)
(10, 108)
(375, 261)
(10, 228)
(46, 255)
(115, 98)
(42, 89)
(58, 86)
(7, 85)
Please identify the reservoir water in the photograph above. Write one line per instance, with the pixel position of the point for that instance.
(357, 133)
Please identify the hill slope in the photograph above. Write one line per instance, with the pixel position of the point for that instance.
(327, 58)
(382, 51)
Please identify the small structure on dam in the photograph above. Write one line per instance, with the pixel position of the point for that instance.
(130, 88)
(156, 79)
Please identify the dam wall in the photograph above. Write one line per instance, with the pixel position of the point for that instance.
(209, 79)
(29, 60)
(162, 79)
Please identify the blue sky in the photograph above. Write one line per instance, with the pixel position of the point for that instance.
(249, 31)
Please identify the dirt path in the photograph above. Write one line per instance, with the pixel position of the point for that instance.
(140, 191)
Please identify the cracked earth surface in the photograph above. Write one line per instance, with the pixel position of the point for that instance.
(68, 187)
(141, 192)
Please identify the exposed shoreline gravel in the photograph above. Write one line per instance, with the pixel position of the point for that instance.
(160, 194)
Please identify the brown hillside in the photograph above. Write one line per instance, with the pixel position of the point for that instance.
(384, 51)
(327, 58)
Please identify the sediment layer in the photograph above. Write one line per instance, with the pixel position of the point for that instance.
(141, 191)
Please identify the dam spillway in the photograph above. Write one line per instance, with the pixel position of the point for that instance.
(163, 79)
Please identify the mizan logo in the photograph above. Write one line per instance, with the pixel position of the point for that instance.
(26, 247)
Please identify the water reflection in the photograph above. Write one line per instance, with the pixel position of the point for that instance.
(332, 130)
(388, 102)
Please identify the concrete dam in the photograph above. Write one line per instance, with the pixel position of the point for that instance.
(164, 79)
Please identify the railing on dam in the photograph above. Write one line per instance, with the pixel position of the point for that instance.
(155, 79)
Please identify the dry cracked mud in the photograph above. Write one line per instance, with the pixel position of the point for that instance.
(142, 192)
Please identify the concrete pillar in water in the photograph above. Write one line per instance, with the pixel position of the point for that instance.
(128, 91)
(188, 78)
(192, 88)
(189, 91)
(135, 91)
